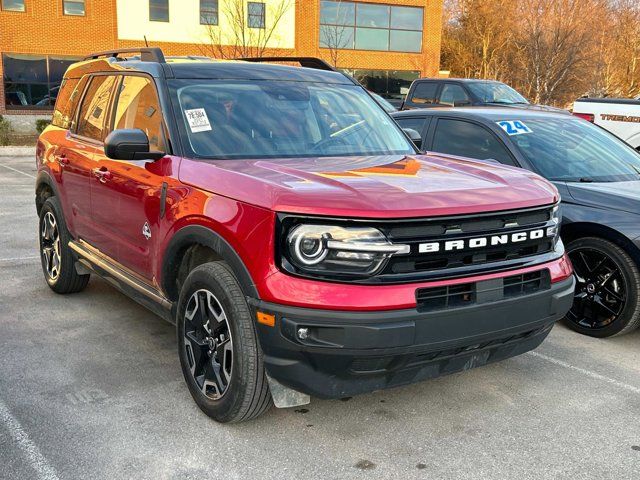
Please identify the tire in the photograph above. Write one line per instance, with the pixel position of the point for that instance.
(618, 302)
(58, 261)
(213, 319)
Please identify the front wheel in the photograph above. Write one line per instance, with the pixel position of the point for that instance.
(218, 347)
(607, 298)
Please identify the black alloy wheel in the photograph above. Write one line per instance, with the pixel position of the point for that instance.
(208, 344)
(607, 285)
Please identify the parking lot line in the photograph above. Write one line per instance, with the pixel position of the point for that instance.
(36, 460)
(16, 170)
(19, 259)
(586, 372)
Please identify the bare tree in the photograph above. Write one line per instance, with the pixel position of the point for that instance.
(240, 38)
(336, 36)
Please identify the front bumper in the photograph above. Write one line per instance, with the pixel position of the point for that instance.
(348, 352)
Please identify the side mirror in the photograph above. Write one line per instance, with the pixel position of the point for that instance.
(415, 137)
(129, 144)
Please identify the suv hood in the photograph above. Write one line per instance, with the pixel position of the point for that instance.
(373, 187)
(623, 196)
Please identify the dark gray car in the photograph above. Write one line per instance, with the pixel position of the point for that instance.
(597, 175)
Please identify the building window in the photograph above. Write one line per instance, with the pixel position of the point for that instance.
(368, 26)
(73, 7)
(33, 81)
(392, 84)
(13, 5)
(159, 10)
(209, 12)
(256, 14)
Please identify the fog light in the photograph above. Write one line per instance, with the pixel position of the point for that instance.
(303, 333)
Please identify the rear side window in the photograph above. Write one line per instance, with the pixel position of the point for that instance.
(67, 102)
(138, 107)
(425, 92)
(453, 94)
(466, 139)
(94, 107)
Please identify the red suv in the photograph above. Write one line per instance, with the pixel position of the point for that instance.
(290, 229)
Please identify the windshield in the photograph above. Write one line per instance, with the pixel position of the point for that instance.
(574, 150)
(496, 92)
(279, 119)
(384, 103)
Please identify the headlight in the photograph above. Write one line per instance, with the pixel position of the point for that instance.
(554, 229)
(330, 249)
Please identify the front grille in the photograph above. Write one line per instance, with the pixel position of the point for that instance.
(463, 230)
(461, 295)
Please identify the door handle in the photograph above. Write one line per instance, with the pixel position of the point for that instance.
(102, 174)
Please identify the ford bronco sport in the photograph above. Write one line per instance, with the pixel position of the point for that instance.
(290, 229)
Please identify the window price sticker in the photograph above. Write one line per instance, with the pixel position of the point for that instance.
(515, 127)
(198, 120)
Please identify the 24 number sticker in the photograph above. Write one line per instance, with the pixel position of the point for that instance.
(514, 127)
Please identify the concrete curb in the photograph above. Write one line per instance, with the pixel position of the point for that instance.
(17, 151)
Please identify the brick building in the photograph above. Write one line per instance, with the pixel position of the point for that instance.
(383, 43)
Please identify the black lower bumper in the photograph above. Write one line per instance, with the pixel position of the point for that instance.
(339, 354)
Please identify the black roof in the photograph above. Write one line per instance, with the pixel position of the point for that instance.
(479, 113)
(463, 80)
(203, 68)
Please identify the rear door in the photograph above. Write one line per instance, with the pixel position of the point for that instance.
(76, 155)
(125, 196)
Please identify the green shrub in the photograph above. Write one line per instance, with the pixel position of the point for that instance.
(41, 124)
(5, 131)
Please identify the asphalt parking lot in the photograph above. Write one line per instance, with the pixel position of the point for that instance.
(90, 387)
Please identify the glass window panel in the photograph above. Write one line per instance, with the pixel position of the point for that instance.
(256, 14)
(94, 107)
(337, 36)
(58, 66)
(13, 5)
(425, 92)
(407, 18)
(24, 68)
(416, 124)
(337, 13)
(373, 80)
(209, 12)
(405, 41)
(73, 7)
(466, 139)
(399, 83)
(26, 95)
(67, 101)
(453, 94)
(368, 15)
(372, 39)
(159, 10)
(138, 107)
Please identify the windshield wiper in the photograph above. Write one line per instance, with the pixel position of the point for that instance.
(586, 180)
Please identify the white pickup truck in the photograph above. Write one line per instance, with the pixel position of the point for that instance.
(620, 116)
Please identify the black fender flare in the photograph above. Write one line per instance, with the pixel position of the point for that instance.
(197, 234)
(44, 178)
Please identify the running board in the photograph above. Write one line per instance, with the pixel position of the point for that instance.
(94, 261)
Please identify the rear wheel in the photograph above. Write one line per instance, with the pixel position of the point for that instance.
(218, 347)
(58, 262)
(607, 298)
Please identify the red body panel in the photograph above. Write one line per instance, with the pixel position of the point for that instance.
(239, 199)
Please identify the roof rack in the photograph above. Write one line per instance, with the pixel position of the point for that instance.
(147, 54)
(308, 62)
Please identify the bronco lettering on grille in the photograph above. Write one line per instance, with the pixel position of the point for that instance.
(480, 242)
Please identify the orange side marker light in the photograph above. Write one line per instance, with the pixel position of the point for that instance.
(266, 319)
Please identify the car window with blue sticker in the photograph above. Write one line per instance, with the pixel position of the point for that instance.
(514, 127)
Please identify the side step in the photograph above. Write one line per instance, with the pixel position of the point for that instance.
(124, 280)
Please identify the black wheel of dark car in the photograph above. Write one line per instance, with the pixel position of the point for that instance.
(607, 298)
(56, 256)
(218, 346)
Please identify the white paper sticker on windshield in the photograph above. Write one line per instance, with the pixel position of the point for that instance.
(514, 127)
(198, 120)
